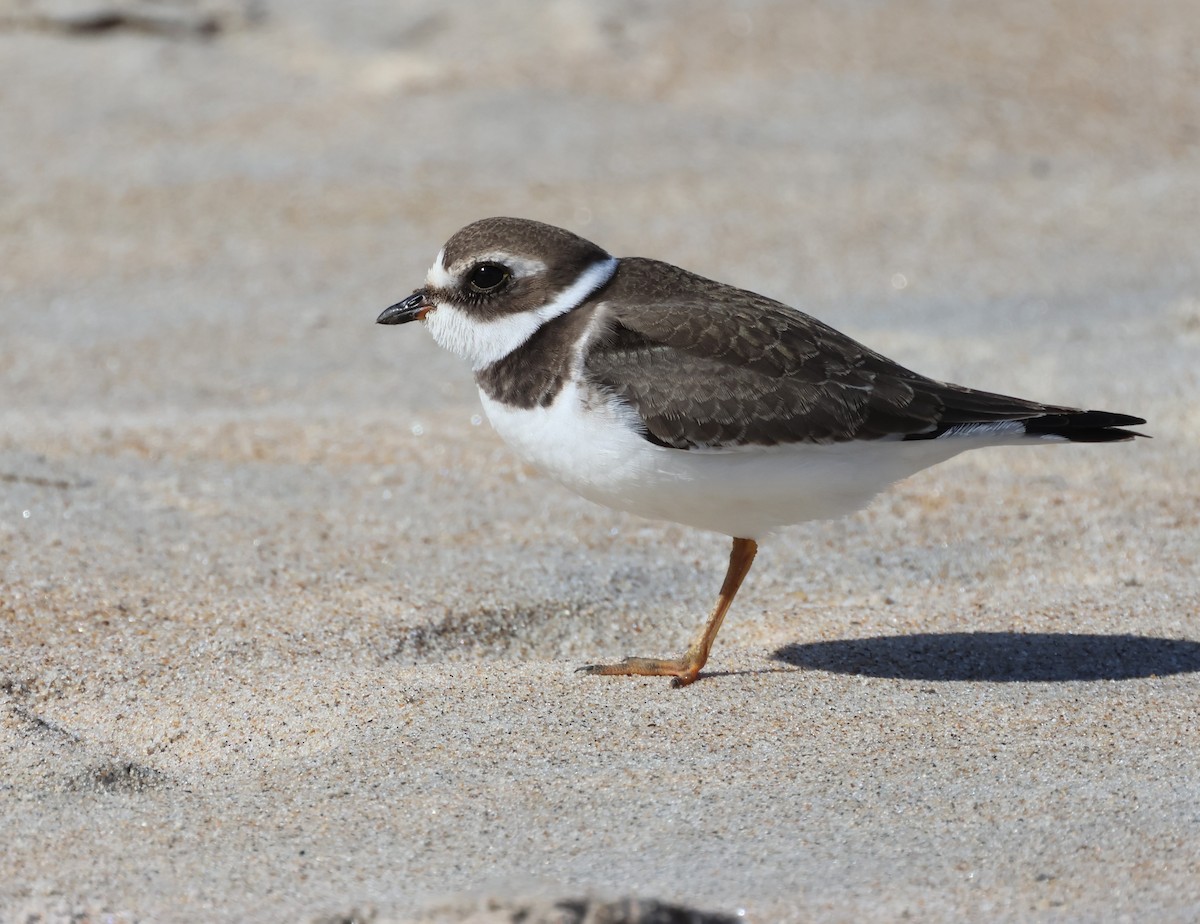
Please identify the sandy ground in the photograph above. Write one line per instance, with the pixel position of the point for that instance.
(287, 634)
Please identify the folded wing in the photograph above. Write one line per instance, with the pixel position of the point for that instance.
(709, 366)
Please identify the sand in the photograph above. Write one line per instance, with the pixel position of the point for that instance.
(286, 633)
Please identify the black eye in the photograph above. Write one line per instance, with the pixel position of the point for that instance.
(487, 277)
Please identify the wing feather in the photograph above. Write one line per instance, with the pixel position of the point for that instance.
(706, 365)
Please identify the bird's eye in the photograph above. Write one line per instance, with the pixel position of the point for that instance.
(487, 277)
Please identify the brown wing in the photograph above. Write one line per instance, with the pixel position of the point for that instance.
(707, 365)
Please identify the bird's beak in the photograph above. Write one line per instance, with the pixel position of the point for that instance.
(413, 308)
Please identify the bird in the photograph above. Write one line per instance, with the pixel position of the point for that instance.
(656, 391)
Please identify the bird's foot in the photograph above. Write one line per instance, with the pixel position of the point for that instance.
(684, 670)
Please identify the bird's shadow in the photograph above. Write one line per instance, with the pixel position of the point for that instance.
(999, 657)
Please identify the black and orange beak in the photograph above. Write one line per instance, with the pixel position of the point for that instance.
(413, 308)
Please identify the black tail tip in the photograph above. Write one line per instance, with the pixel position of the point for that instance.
(1086, 426)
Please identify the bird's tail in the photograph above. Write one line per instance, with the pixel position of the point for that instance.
(967, 412)
(1084, 426)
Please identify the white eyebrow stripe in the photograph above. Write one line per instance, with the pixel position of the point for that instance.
(437, 277)
(440, 277)
(520, 266)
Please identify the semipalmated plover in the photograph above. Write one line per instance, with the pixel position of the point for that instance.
(655, 391)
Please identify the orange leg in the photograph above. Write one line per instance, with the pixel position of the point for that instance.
(685, 669)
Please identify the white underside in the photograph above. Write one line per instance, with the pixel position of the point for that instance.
(591, 446)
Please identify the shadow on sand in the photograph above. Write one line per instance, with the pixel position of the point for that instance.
(1002, 657)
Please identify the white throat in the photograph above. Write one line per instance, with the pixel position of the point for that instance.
(483, 342)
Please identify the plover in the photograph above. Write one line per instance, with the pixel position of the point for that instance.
(649, 389)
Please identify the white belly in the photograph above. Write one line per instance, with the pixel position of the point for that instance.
(746, 493)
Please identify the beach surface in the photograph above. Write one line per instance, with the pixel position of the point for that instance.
(288, 634)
